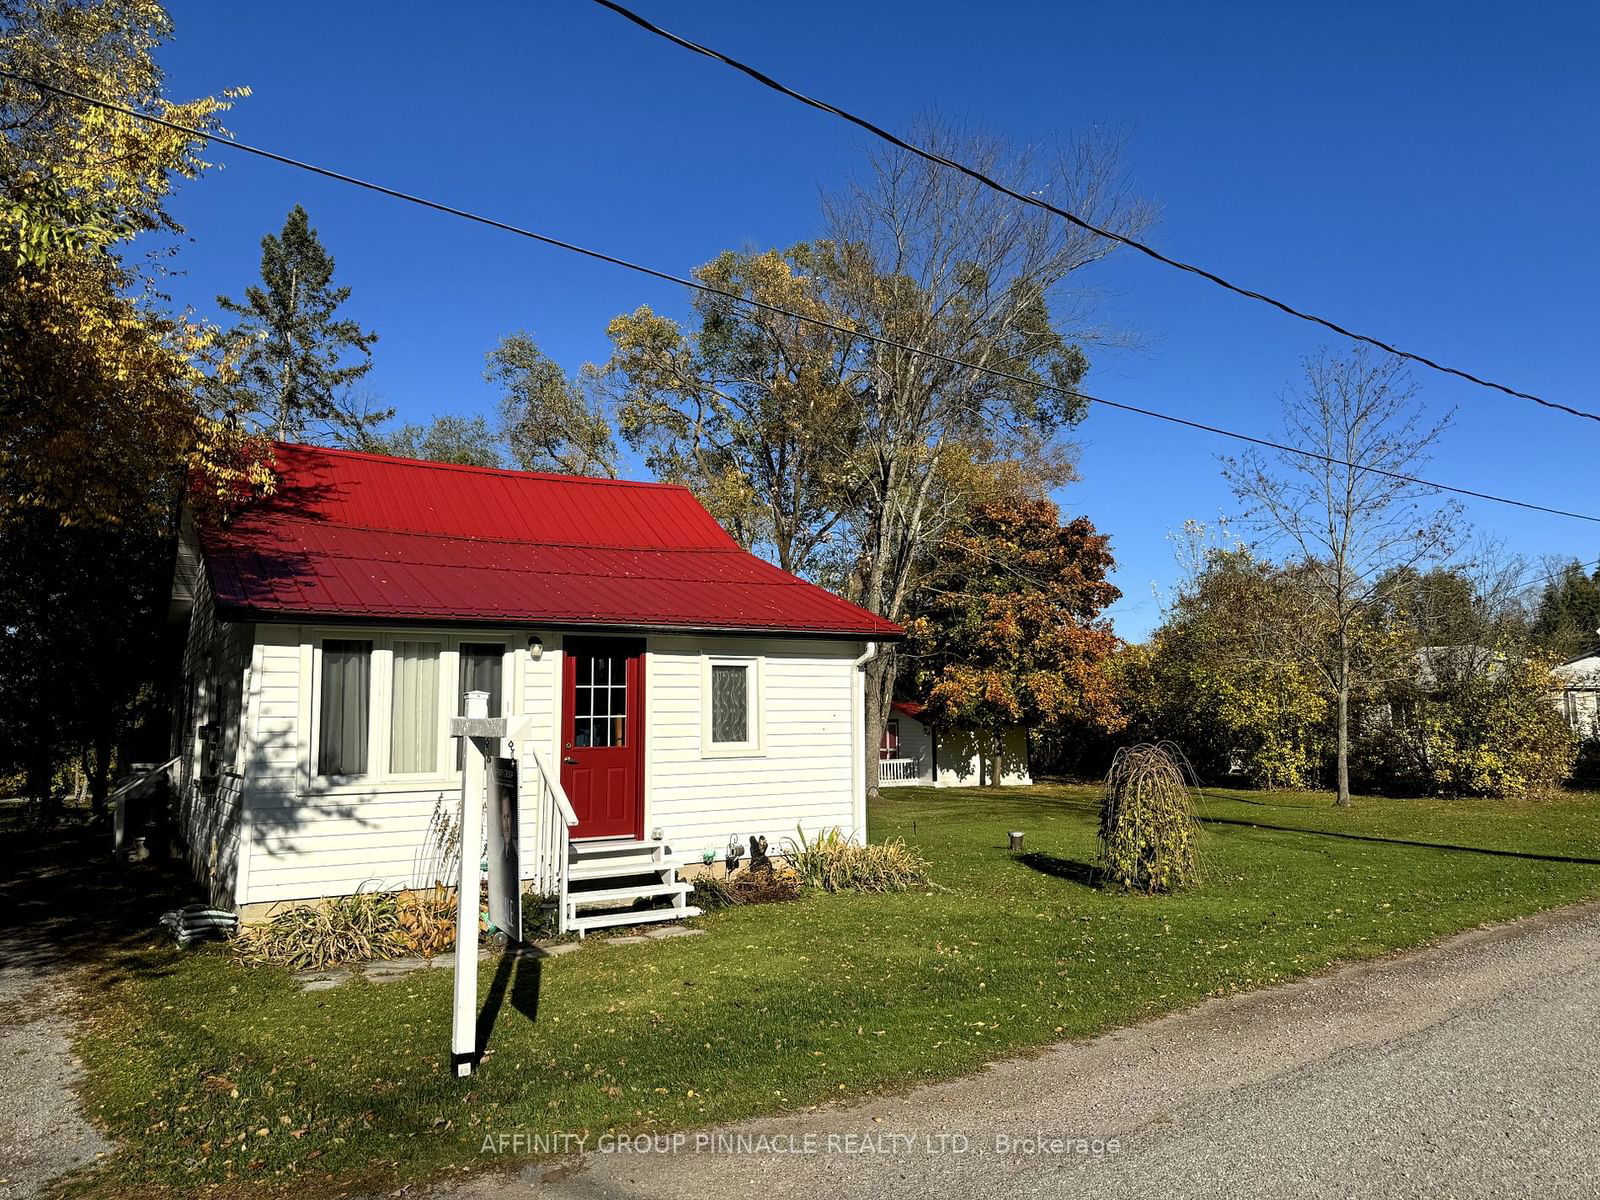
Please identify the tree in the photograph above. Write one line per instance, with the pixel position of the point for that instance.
(289, 376)
(545, 419)
(98, 419)
(1469, 724)
(1008, 627)
(845, 459)
(930, 258)
(1226, 676)
(1568, 617)
(469, 441)
(752, 410)
(1347, 518)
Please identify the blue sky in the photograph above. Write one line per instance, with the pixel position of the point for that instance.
(1426, 171)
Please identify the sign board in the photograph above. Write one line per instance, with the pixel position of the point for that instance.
(505, 865)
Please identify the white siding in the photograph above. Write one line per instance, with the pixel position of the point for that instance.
(963, 756)
(207, 738)
(806, 773)
(308, 840)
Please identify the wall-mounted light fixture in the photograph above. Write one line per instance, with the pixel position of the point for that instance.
(535, 648)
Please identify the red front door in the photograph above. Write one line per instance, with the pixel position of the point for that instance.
(602, 736)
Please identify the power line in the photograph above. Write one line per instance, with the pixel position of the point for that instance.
(1525, 583)
(701, 286)
(1073, 219)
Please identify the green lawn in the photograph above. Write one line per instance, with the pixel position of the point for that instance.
(215, 1074)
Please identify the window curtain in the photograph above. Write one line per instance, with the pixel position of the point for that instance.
(414, 716)
(346, 702)
(730, 704)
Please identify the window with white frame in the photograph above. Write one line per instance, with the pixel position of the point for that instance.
(732, 706)
(344, 717)
(382, 703)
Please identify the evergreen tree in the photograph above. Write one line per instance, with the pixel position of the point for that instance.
(1568, 618)
(291, 370)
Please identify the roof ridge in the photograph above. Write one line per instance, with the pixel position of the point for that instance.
(282, 518)
(471, 469)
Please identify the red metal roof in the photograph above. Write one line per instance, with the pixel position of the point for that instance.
(910, 708)
(363, 535)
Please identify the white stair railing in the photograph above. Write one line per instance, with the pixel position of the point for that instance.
(556, 822)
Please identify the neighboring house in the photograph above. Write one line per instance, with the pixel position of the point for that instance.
(665, 689)
(914, 751)
(1579, 697)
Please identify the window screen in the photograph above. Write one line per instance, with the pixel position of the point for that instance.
(479, 672)
(730, 703)
(600, 700)
(346, 701)
(414, 709)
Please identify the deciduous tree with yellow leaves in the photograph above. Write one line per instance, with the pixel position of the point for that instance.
(99, 423)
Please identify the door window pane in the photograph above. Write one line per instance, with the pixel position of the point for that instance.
(600, 700)
(414, 711)
(730, 703)
(346, 699)
(480, 672)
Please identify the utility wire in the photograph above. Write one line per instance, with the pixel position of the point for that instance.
(1073, 219)
(701, 286)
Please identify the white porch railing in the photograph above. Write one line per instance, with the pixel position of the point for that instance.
(551, 842)
(897, 770)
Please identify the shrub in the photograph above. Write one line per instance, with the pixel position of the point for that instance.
(1492, 731)
(341, 929)
(769, 886)
(711, 892)
(1147, 826)
(836, 863)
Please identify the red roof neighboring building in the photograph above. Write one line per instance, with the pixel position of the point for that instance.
(363, 535)
(910, 708)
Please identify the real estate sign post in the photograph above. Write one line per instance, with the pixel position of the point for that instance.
(483, 734)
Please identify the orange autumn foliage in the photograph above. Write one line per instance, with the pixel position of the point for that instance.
(1008, 627)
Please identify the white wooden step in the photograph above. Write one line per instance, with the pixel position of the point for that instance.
(616, 868)
(615, 847)
(642, 917)
(628, 894)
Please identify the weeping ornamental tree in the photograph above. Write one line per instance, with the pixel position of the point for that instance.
(1344, 512)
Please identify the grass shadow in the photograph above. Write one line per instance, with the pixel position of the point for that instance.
(1070, 870)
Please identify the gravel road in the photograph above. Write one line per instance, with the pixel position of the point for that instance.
(1468, 1069)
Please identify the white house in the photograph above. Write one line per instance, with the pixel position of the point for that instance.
(914, 752)
(1579, 680)
(667, 691)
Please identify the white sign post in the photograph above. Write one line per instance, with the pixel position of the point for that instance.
(481, 734)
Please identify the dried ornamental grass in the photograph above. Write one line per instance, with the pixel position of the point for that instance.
(1147, 825)
(342, 929)
(427, 920)
(836, 863)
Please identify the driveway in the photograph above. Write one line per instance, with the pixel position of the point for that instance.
(42, 1131)
(1468, 1069)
